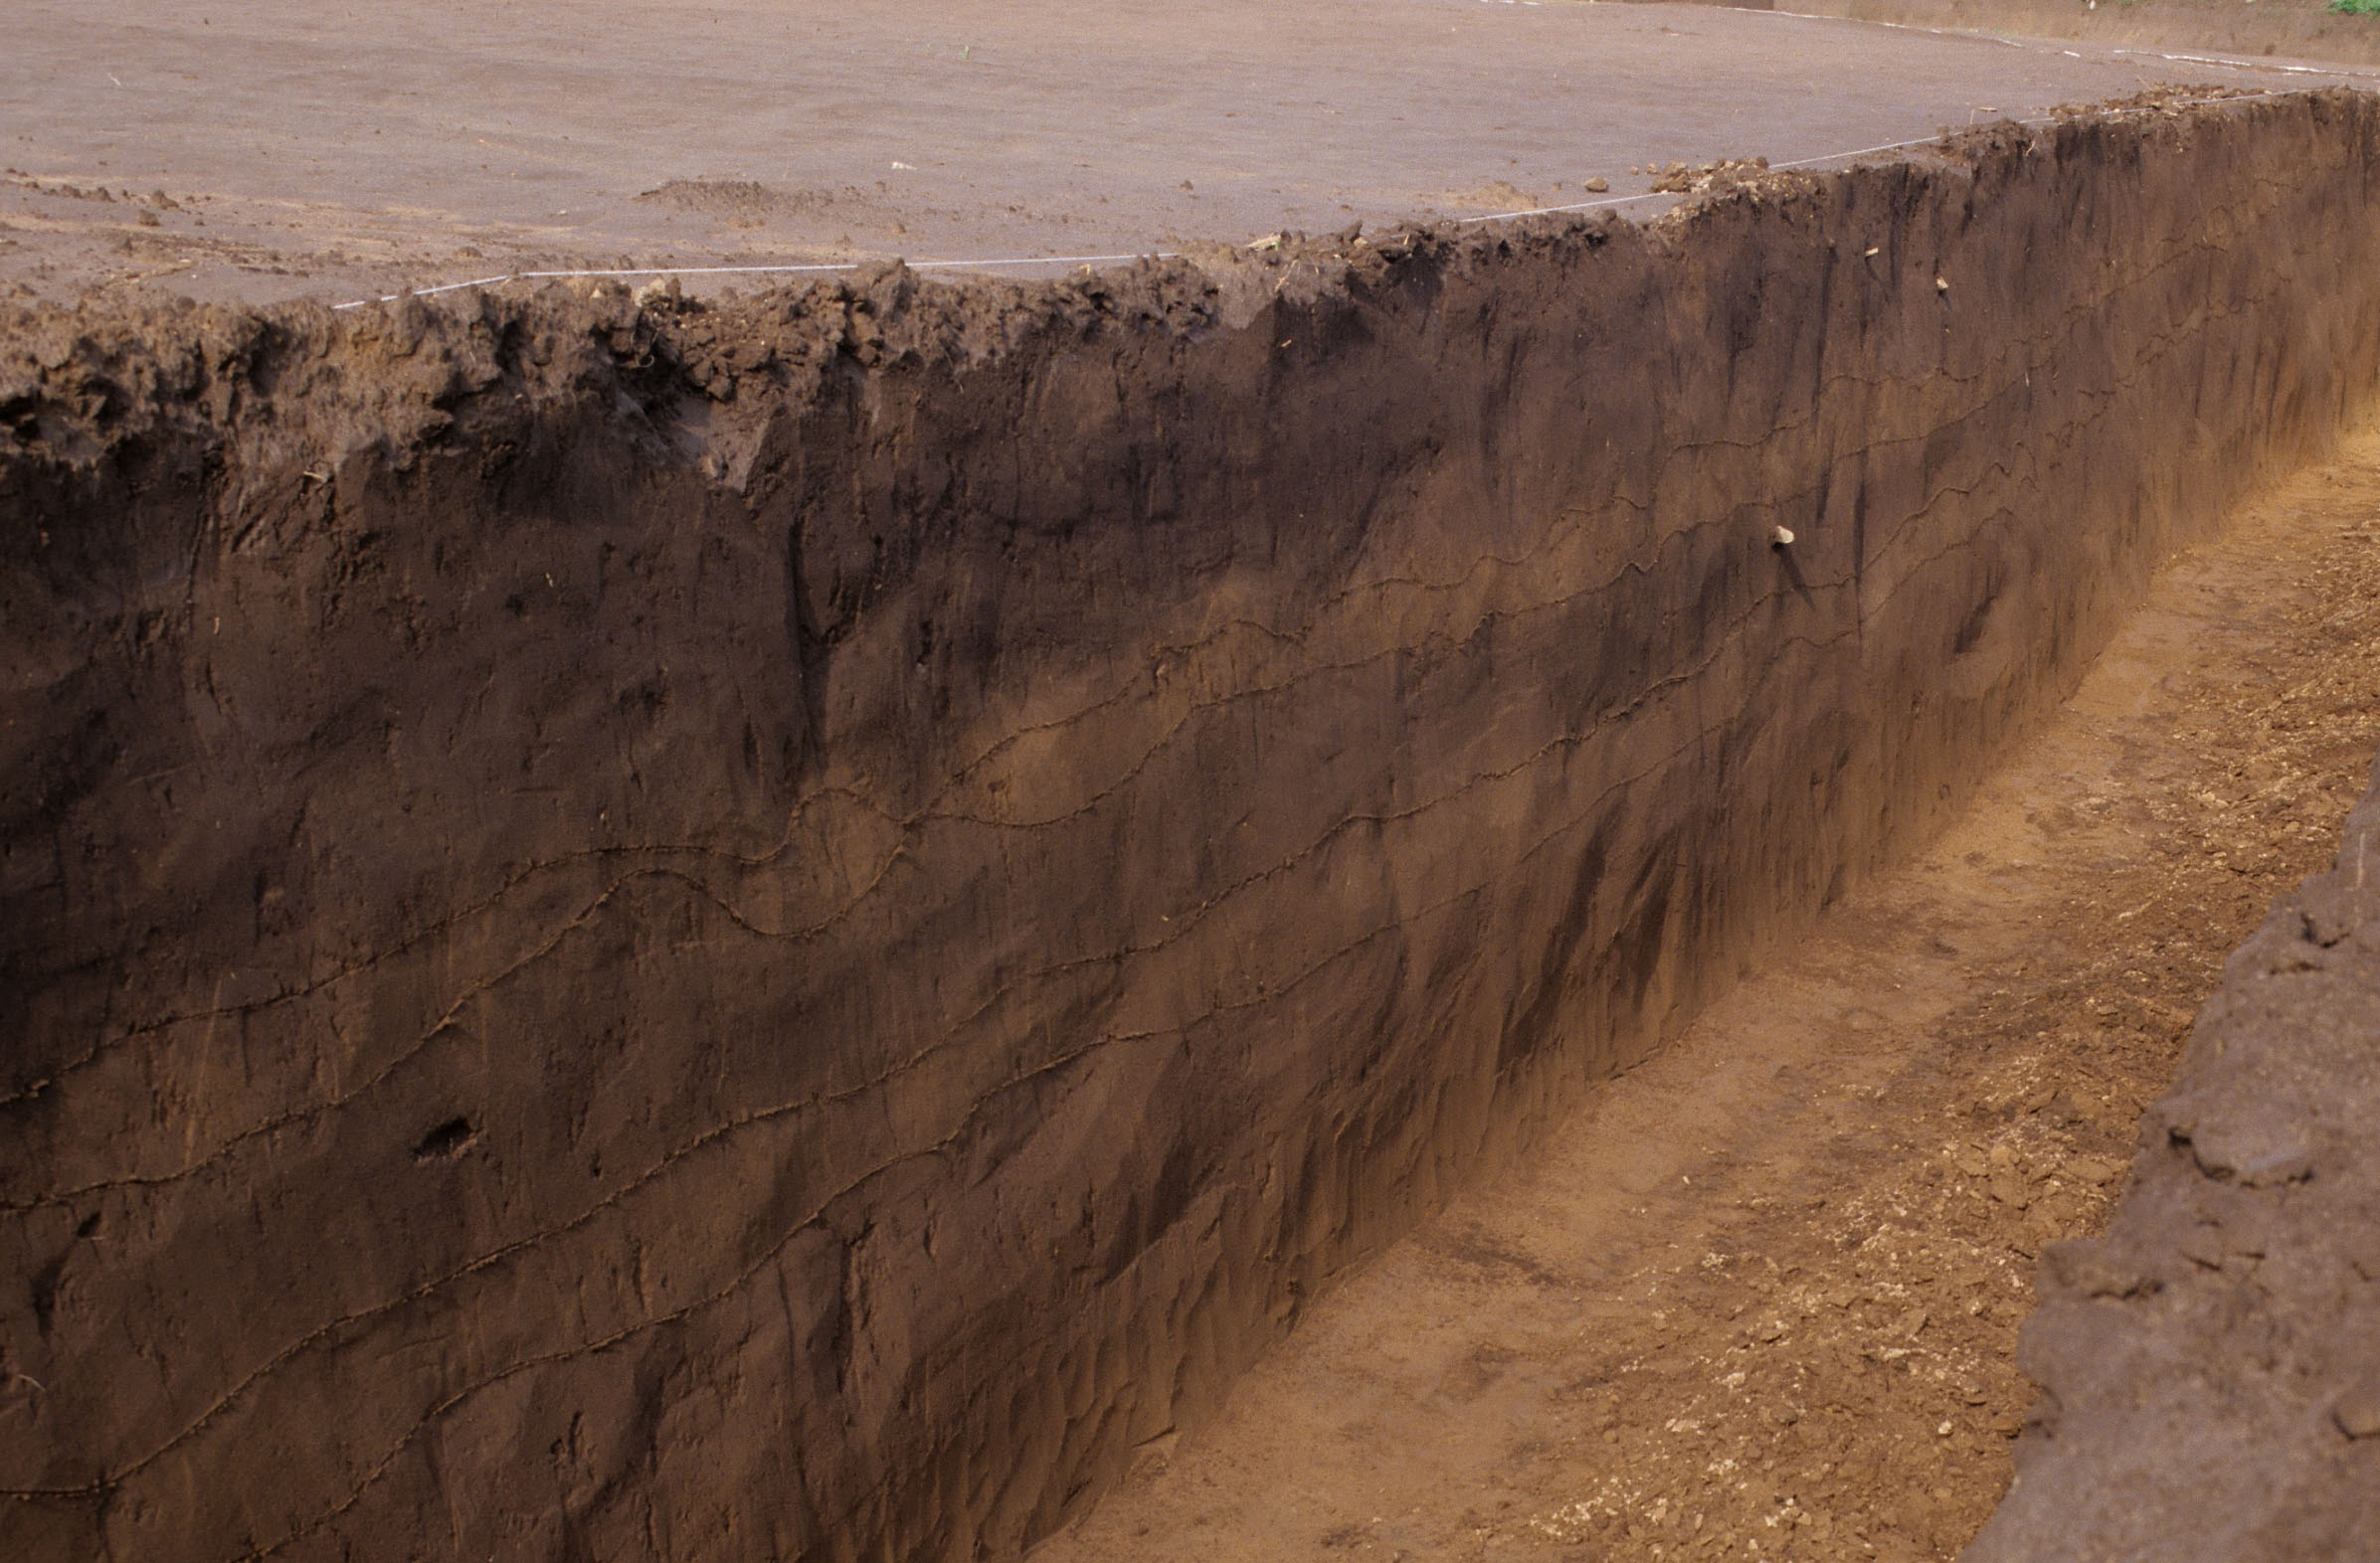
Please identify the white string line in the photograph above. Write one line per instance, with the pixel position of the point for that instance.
(2252, 65)
(1901, 26)
(2113, 49)
(1651, 195)
(1865, 151)
(1169, 255)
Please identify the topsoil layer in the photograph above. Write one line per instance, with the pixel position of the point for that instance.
(788, 930)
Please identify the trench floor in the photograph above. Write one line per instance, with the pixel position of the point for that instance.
(1761, 1298)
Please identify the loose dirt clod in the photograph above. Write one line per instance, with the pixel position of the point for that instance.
(2359, 1412)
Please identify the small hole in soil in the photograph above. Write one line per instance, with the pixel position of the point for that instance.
(448, 1139)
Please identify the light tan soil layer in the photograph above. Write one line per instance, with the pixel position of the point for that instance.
(790, 930)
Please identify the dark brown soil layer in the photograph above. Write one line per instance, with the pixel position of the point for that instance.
(785, 931)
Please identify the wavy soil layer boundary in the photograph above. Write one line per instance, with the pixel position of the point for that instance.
(788, 929)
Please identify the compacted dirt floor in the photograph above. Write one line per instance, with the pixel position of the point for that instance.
(1761, 1301)
(265, 150)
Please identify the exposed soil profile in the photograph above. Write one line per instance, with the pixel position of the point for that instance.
(1760, 1299)
(791, 929)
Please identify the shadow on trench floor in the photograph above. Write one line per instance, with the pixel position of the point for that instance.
(1761, 1298)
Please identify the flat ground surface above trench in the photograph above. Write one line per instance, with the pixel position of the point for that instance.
(261, 149)
(1760, 1299)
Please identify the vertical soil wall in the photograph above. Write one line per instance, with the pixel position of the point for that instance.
(782, 929)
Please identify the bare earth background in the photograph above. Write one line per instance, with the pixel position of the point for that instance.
(260, 149)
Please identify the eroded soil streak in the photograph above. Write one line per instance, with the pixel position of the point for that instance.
(1761, 1301)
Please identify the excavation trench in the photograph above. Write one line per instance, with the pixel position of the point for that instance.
(795, 928)
(1761, 1297)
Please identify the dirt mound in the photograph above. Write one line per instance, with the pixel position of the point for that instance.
(742, 200)
(1726, 174)
(586, 891)
(1500, 194)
